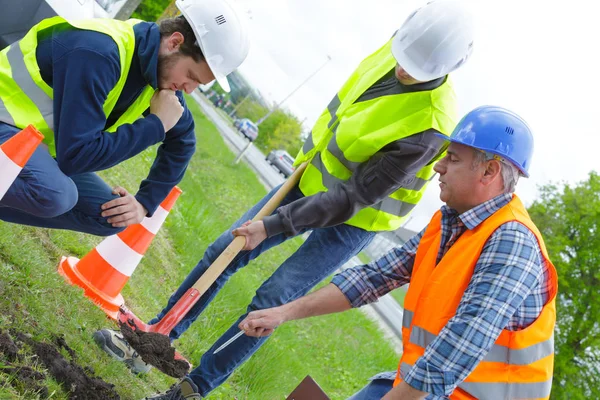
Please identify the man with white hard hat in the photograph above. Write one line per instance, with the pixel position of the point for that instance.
(84, 85)
(370, 157)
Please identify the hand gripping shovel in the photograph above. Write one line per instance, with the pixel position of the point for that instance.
(133, 328)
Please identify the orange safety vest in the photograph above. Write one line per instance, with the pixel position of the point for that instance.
(520, 363)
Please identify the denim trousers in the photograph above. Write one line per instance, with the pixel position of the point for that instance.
(42, 195)
(323, 252)
(375, 389)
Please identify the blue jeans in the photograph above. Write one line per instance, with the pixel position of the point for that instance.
(321, 254)
(43, 196)
(375, 390)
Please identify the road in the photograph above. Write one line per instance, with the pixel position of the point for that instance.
(387, 312)
(253, 156)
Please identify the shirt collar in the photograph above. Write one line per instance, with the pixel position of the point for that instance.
(476, 215)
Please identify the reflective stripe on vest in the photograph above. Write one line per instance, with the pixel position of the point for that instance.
(26, 99)
(388, 205)
(22, 78)
(348, 133)
(332, 107)
(407, 317)
(499, 391)
(502, 391)
(498, 353)
(5, 115)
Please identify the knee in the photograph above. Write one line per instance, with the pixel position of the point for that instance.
(263, 300)
(103, 229)
(53, 202)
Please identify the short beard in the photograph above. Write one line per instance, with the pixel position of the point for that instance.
(165, 64)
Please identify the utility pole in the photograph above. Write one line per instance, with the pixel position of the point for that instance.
(239, 105)
(127, 9)
(170, 12)
(277, 105)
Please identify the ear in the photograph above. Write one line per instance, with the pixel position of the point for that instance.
(174, 41)
(491, 172)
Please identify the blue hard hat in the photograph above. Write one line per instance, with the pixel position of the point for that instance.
(498, 131)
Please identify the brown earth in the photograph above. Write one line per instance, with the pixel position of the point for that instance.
(78, 381)
(156, 350)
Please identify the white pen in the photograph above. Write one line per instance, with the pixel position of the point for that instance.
(227, 343)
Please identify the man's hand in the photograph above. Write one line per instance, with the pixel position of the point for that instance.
(262, 322)
(166, 106)
(123, 211)
(254, 232)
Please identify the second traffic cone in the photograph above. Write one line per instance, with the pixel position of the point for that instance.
(105, 270)
(14, 154)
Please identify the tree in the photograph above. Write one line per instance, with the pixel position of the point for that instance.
(151, 10)
(569, 219)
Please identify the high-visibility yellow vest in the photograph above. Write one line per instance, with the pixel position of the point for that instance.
(348, 134)
(26, 99)
(520, 363)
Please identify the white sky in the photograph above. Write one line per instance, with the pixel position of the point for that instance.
(538, 58)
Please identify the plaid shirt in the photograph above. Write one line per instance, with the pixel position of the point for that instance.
(507, 291)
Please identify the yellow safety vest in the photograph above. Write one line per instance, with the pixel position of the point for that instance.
(26, 99)
(348, 134)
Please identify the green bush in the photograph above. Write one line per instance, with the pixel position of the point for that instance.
(150, 10)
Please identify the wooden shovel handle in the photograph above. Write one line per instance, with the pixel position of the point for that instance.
(219, 265)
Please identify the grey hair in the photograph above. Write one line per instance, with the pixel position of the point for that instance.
(510, 173)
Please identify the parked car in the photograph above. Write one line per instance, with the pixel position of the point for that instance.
(282, 161)
(247, 128)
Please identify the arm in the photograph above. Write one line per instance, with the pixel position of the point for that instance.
(82, 79)
(326, 300)
(393, 167)
(172, 159)
(509, 268)
(351, 288)
(168, 168)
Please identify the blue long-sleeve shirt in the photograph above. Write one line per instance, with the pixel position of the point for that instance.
(508, 290)
(82, 67)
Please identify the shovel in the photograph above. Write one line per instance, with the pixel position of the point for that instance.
(193, 294)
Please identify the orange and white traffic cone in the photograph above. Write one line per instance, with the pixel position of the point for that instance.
(105, 270)
(14, 154)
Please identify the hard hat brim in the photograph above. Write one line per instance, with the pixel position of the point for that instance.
(516, 164)
(222, 80)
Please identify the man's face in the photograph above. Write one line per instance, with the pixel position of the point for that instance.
(178, 72)
(460, 182)
(404, 77)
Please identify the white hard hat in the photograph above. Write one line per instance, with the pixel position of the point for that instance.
(435, 40)
(220, 33)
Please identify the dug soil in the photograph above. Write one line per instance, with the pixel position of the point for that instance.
(78, 382)
(156, 350)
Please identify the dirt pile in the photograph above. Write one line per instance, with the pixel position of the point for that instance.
(156, 350)
(79, 382)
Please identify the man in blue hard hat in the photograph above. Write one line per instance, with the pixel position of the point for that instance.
(482, 288)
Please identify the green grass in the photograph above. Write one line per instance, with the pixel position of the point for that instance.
(340, 351)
